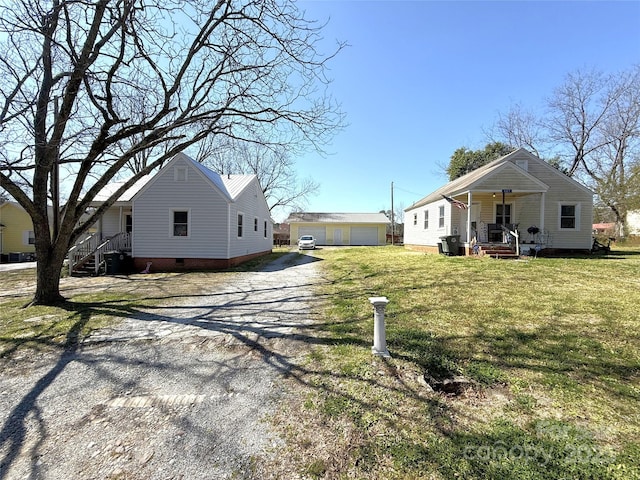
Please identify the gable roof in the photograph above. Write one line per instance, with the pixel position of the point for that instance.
(474, 178)
(229, 185)
(309, 217)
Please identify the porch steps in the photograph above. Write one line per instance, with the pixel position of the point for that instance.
(497, 251)
(87, 269)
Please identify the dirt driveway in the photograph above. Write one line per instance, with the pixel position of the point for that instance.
(180, 392)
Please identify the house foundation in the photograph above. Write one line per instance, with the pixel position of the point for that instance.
(188, 264)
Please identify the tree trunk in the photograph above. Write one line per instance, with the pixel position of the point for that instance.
(49, 267)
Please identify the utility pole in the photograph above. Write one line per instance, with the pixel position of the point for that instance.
(393, 223)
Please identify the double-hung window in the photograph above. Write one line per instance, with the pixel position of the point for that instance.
(568, 217)
(180, 223)
(441, 216)
(426, 219)
(240, 221)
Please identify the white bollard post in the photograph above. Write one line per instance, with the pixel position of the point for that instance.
(379, 336)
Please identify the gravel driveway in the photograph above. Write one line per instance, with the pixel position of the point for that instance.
(179, 392)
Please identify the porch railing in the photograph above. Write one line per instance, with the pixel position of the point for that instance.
(93, 248)
(512, 234)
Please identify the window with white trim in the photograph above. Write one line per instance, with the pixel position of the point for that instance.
(265, 229)
(507, 213)
(415, 219)
(28, 237)
(426, 219)
(441, 216)
(240, 220)
(569, 216)
(255, 224)
(180, 223)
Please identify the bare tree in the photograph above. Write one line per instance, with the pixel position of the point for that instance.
(592, 128)
(89, 86)
(578, 109)
(520, 129)
(273, 165)
(614, 169)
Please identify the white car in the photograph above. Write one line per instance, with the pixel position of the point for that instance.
(306, 242)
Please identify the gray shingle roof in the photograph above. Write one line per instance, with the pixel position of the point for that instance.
(309, 217)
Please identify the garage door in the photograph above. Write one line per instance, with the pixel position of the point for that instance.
(319, 233)
(364, 236)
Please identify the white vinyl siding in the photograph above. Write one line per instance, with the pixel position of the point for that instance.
(208, 221)
(252, 204)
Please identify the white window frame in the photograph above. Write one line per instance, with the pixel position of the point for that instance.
(265, 229)
(255, 224)
(441, 215)
(28, 237)
(172, 222)
(415, 219)
(240, 225)
(576, 216)
(426, 219)
(508, 218)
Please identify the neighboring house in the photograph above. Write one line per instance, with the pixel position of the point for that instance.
(17, 241)
(339, 228)
(604, 229)
(187, 217)
(549, 209)
(633, 222)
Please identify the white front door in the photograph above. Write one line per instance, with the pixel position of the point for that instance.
(337, 236)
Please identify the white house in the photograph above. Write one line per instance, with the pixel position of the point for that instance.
(185, 217)
(547, 209)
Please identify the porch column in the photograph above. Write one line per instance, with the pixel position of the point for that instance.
(469, 200)
(542, 197)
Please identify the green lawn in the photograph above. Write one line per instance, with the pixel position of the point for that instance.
(551, 347)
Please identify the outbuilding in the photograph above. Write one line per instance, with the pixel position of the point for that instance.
(340, 228)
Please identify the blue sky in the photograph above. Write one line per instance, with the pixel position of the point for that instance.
(423, 78)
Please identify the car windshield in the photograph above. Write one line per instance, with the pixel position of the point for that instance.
(306, 237)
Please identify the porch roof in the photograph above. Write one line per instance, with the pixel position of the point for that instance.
(479, 180)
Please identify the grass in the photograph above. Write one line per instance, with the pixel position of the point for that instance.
(92, 303)
(551, 347)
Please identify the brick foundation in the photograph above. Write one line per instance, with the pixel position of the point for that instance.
(186, 264)
(422, 248)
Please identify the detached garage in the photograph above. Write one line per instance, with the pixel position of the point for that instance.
(340, 228)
